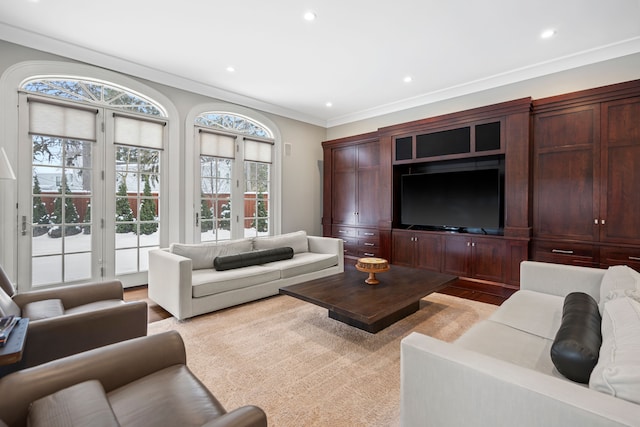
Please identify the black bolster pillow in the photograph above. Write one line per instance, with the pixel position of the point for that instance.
(576, 348)
(245, 259)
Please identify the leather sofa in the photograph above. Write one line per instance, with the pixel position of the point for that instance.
(140, 382)
(501, 371)
(183, 280)
(71, 319)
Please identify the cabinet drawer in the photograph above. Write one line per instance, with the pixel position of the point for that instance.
(339, 231)
(368, 253)
(373, 242)
(368, 233)
(565, 253)
(620, 256)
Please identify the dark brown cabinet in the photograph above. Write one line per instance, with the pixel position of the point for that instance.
(355, 178)
(475, 257)
(585, 177)
(352, 197)
(417, 249)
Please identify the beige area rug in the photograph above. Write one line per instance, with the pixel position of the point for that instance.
(305, 369)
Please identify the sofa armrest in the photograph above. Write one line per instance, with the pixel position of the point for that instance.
(445, 385)
(328, 245)
(560, 279)
(114, 366)
(75, 295)
(61, 336)
(245, 416)
(169, 280)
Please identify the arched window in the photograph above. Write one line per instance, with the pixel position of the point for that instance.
(236, 156)
(96, 179)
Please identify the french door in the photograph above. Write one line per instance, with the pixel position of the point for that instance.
(89, 193)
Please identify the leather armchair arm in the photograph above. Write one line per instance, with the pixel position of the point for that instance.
(61, 336)
(114, 366)
(245, 416)
(75, 295)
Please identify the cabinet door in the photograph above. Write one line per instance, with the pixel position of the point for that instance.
(344, 186)
(457, 255)
(368, 161)
(403, 248)
(620, 202)
(488, 259)
(428, 252)
(566, 173)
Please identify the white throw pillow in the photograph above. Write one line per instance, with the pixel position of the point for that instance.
(618, 369)
(617, 278)
(296, 240)
(202, 254)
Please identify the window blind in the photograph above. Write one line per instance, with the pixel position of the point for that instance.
(217, 144)
(257, 151)
(60, 121)
(139, 132)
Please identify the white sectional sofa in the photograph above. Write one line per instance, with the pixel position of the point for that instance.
(183, 280)
(500, 372)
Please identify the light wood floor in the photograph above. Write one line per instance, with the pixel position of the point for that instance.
(490, 294)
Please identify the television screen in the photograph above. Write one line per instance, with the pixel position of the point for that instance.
(460, 199)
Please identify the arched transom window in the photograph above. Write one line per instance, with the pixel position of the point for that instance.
(94, 92)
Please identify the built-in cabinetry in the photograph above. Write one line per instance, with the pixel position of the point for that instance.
(352, 199)
(586, 180)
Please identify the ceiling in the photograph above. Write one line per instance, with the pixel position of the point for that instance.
(355, 54)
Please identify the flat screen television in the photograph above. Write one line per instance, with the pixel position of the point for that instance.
(469, 199)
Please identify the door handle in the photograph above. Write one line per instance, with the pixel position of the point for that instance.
(24, 225)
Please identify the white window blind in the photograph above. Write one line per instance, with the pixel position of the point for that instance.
(217, 144)
(139, 132)
(60, 121)
(257, 151)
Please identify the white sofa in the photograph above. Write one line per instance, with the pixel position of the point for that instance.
(183, 280)
(500, 372)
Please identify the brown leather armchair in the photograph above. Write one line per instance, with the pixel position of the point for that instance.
(140, 382)
(69, 320)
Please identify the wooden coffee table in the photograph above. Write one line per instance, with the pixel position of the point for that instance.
(370, 308)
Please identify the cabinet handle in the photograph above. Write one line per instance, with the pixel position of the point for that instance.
(368, 254)
(602, 221)
(368, 244)
(341, 231)
(561, 251)
(468, 243)
(473, 244)
(369, 234)
(634, 258)
(595, 221)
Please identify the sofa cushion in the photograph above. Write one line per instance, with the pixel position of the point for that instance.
(43, 309)
(509, 344)
(170, 397)
(83, 404)
(575, 349)
(245, 259)
(202, 254)
(296, 240)
(532, 312)
(209, 281)
(618, 370)
(615, 281)
(303, 263)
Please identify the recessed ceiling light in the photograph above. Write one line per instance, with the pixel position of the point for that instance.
(329, 104)
(408, 79)
(310, 16)
(547, 34)
(230, 69)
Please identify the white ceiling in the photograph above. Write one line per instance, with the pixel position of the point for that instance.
(354, 55)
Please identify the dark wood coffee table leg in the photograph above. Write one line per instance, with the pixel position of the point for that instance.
(380, 324)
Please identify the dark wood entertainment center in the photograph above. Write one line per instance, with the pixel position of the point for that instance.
(571, 190)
